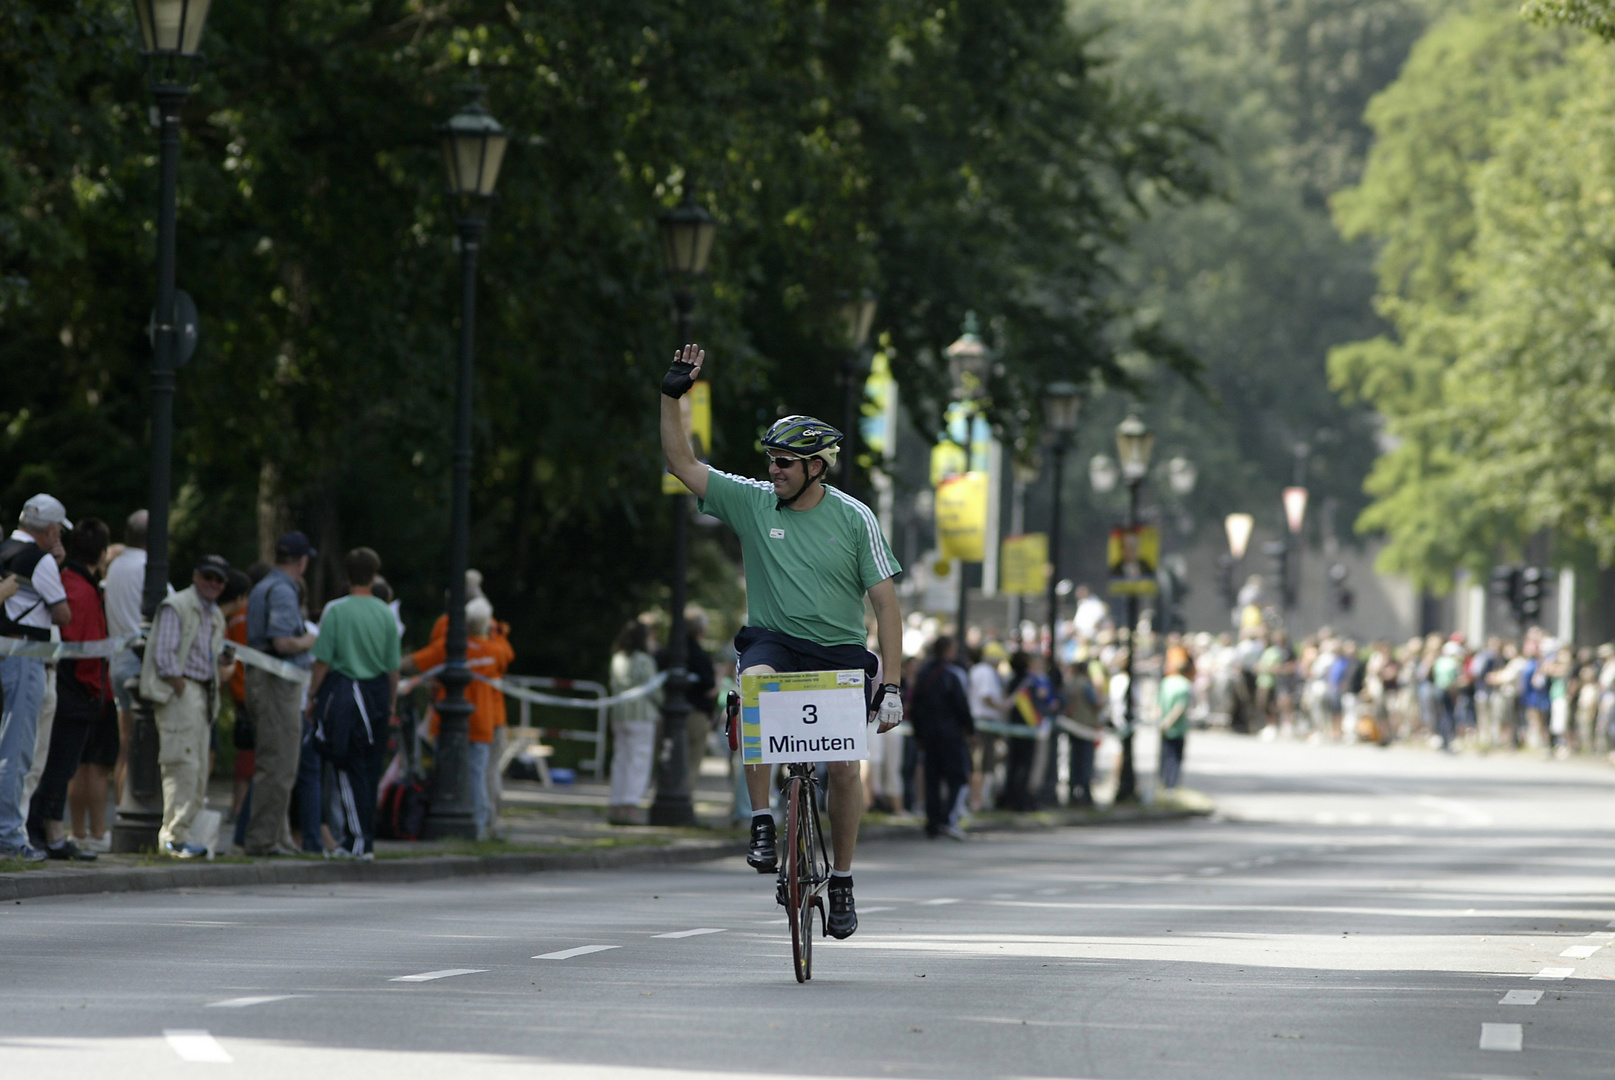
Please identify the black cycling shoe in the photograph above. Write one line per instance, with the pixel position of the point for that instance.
(843, 919)
(762, 857)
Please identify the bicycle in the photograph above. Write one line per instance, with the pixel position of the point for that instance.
(804, 872)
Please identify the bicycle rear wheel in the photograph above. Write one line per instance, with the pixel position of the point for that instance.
(798, 869)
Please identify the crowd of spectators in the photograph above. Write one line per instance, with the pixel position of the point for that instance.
(313, 717)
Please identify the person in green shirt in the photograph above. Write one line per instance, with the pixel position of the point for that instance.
(351, 696)
(812, 554)
(1175, 695)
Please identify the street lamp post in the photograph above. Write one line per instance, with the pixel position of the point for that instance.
(857, 318)
(172, 33)
(687, 234)
(967, 363)
(1061, 403)
(1134, 444)
(473, 149)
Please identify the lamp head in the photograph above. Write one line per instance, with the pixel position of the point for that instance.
(858, 318)
(1181, 474)
(473, 148)
(967, 358)
(1134, 444)
(1061, 403)
(172, 27)
(1238, 527)
(1102, 474)
(687, 234)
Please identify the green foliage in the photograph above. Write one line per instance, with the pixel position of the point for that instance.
(953, 155)
(1257, 283)
(1597, 16)
(1484, 191)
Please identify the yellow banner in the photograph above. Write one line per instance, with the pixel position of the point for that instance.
(1023, 564)
(947, 459)
(696, 407)
(961, 516)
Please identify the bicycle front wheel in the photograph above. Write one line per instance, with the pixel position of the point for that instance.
(799, 875)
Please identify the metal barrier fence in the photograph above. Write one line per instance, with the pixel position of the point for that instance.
(524, 734)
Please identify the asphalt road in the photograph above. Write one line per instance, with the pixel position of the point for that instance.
(1354, 913)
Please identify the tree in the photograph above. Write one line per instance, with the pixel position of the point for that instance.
(1257, 283)
(1597, 16)
(1446, 492)
(954, 155)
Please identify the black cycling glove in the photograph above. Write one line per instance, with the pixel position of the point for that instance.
(678, 380)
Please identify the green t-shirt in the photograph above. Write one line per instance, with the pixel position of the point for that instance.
(358, 637)
(1175, 693)
(806, 570)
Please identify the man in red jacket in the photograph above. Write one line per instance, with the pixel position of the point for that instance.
(83, 691)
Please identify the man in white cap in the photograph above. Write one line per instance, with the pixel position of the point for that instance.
(40, 602)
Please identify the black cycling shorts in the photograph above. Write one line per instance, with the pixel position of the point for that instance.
(782, 652)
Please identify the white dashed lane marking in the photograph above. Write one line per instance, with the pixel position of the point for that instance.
(939, 901)
(1554, 973)
(1601, 935)
(581, 950)
(196, 1046)
(1502, 1036)
(243, 1002)
(866, 911)
(1580, 952)
(1521, 997)
(690, 933)
(446, 973)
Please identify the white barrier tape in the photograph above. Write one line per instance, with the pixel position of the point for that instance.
(101, 649)
(521, 693)
(409, 684)
(1008, 731)
(264, 662)
(105, 648)
(1081, 732)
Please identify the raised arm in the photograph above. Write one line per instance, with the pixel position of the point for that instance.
(681, 460)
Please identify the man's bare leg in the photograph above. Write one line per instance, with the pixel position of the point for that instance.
(846, 810)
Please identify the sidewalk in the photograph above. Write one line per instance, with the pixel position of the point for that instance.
(559, 828)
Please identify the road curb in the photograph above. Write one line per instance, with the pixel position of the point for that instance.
(37, 884)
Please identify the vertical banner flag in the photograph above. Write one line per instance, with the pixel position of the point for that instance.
(1133, 556)
(877, 426)
(961, 516)
(1024, 566)
(696, 408)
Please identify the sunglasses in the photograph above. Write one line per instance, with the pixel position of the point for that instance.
(215, 577)
(782, 463)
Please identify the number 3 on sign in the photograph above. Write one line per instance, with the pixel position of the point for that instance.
(810, 714)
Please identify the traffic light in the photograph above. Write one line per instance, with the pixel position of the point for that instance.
(1533, 585)
(1173, 582)
(1278, 554)
(1225, 579)
(1506, 587)
(1339, 575)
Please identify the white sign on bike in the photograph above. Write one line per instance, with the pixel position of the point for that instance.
(803, 716)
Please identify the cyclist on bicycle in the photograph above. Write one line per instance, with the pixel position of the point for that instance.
(812, 552)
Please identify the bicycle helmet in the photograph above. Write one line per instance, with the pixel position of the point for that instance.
(804, 437)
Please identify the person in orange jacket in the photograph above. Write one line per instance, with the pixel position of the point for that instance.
(488, 654)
